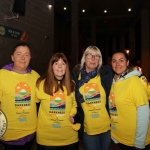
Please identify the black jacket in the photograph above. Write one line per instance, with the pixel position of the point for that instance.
(106, 75)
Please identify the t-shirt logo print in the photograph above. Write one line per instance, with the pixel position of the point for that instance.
(57, 103)
(22, 96)
(112, 104)
(92, 93)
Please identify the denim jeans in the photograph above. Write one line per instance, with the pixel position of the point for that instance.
(97, 142)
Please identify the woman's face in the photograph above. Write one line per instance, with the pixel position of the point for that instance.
(21, 58)
(91, 60)
(119, 63)
(59, 69)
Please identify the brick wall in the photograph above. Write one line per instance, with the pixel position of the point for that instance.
(38, 22)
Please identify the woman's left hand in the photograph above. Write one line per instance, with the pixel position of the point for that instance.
(71, 119)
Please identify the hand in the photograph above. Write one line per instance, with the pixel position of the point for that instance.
(71, 119)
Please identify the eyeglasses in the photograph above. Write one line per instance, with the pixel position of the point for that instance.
(89, 55)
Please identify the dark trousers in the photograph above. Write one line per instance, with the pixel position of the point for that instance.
(125, 147)
(27, 146)
(74, 146)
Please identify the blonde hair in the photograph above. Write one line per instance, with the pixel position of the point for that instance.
(95, 49)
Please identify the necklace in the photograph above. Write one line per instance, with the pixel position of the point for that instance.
(20, 72)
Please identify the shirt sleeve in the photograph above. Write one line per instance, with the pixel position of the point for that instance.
(74, 106)
(37, 100)
(0, 90)
(0, 93)
(142, 126)
(139, 94)
(75, 126)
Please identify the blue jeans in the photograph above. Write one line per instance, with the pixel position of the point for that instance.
(97, 142)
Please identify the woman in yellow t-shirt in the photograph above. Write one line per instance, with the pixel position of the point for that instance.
(128, 104)
(56, 127)
(17, 100)
(93, 83)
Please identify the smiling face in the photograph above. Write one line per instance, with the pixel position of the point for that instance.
(119, 63)
(91, 60)
(21, 58)
(59, 69)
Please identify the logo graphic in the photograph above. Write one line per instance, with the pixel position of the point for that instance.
(3, 123)
(57, 103)
(112, 104)
(2, 30)
(22, 96)
(92, 93)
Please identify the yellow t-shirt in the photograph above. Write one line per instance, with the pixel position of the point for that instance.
(125, 97)
(96, 118)
(17, 97)
(54, 127)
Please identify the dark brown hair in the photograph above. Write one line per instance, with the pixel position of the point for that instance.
(51, 82)
(129, 67)
(20, 44)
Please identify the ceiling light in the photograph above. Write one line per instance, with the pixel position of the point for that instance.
(127, 51)
(50, 6)
(83, 10)
(129, 9)
(65, 8)
(105, 11)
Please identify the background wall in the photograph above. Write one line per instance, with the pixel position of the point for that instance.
(39, 23)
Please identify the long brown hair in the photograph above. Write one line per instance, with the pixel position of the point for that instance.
(51, 82)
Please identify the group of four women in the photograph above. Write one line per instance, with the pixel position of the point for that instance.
(82, 104)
